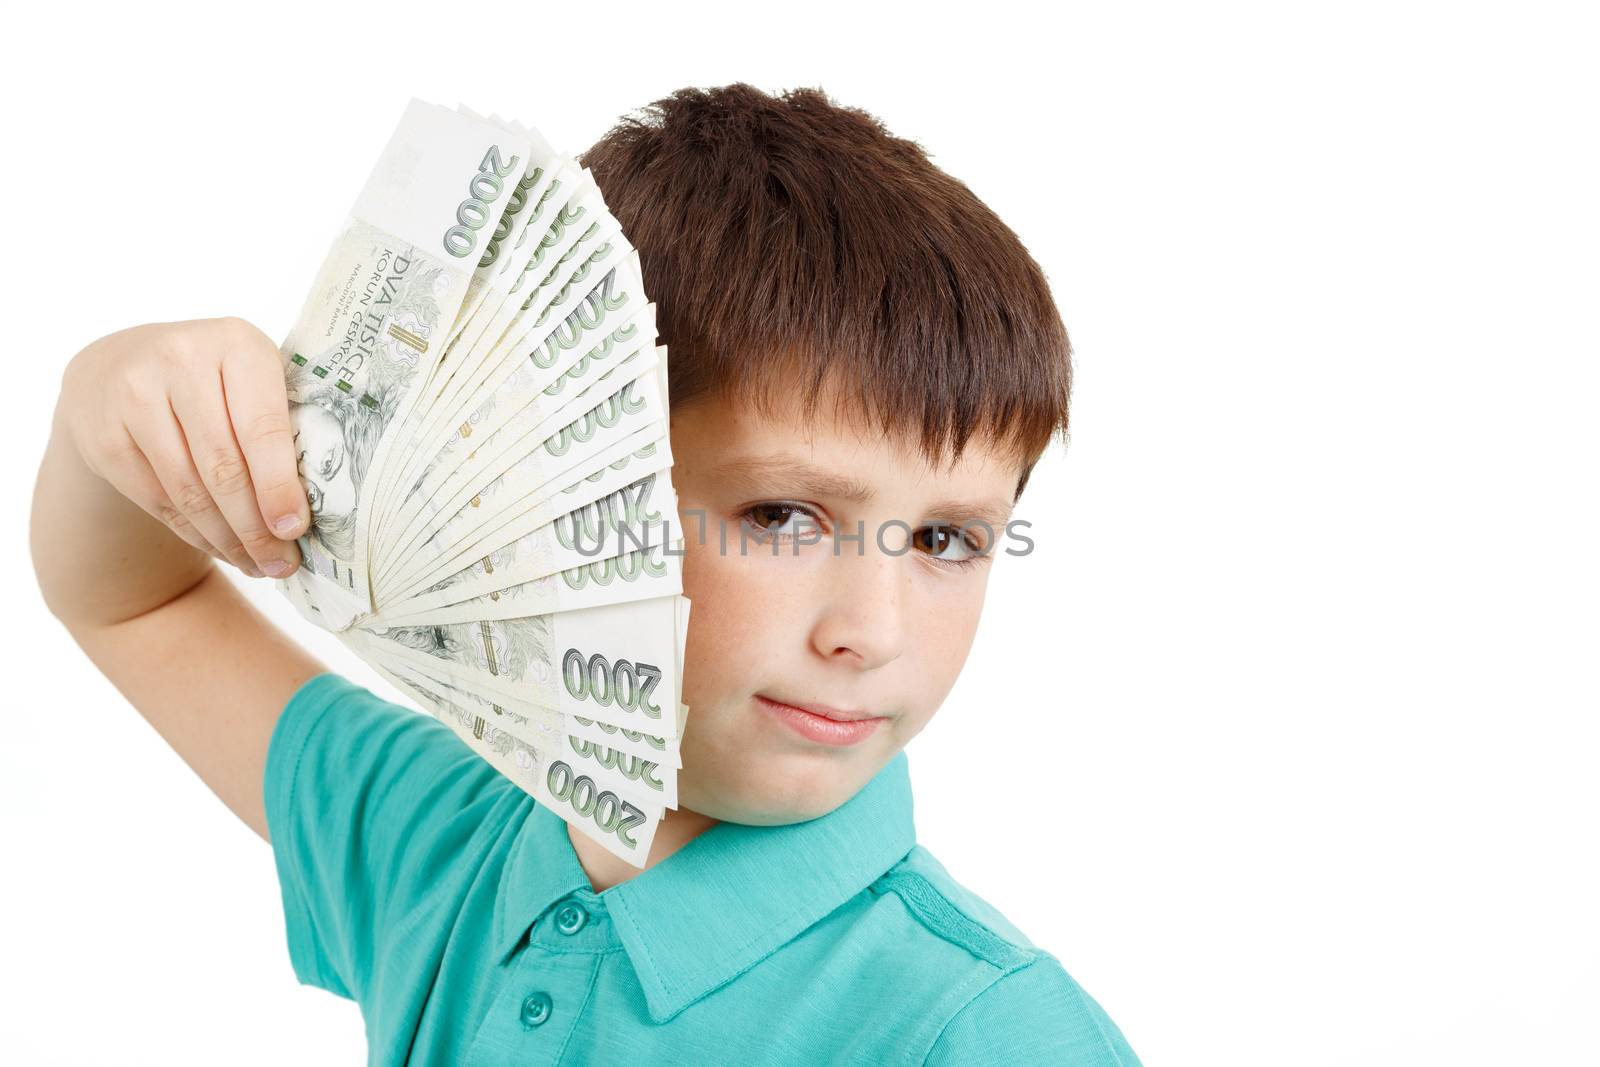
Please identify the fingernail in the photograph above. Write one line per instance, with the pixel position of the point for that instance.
(279, 568)
(286, 526)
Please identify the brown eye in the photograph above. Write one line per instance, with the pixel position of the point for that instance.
(766, 511)
(770, 520)
(937, 540)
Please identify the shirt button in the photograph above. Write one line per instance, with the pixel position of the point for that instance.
(570, 918)
(536, 1009)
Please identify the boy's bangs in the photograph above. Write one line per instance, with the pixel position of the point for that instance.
(790, 243)
(802, 383)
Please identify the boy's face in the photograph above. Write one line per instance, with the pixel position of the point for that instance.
(842, 623)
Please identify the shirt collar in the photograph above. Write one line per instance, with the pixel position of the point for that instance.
(725, 900)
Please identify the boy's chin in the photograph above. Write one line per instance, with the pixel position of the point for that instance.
(776, 789)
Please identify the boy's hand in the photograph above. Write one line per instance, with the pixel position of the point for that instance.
(190, 421)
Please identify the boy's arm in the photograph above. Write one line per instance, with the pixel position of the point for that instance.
(170, 631)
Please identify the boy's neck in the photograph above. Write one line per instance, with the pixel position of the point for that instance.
(677, 828)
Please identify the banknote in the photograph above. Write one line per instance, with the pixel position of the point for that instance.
(625, 827)
(476, 356)
(643, 777)
(550, 436)
(572, 362)
(638, 516)
(388, 291)
(616, 663)
(481, 410)
(515, 502)
(651, 571)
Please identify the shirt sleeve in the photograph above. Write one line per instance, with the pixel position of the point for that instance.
(368, 803)
(1036, 1015)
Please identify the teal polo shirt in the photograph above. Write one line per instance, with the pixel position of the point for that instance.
(436, 894)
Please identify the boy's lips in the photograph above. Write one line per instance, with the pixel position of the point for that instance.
(816, 722)
(836, 714)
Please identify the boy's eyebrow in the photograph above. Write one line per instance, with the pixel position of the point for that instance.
(815, 481)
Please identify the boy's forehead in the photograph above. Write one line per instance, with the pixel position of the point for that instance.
(739, 442)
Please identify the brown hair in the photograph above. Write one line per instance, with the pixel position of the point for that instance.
(786, 237)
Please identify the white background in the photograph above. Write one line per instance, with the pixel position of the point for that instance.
(1299, 686)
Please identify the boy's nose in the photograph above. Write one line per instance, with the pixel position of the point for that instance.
(865, 618)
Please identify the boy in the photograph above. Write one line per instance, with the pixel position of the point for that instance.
(856, 342)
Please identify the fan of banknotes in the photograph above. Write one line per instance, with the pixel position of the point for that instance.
(480, 416)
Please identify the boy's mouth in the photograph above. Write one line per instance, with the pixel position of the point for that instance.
(823, 710)
(820, 723)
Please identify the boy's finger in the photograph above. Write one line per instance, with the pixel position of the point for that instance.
(161, 439)
(131, 476)
(216, 454)
(258, 405)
